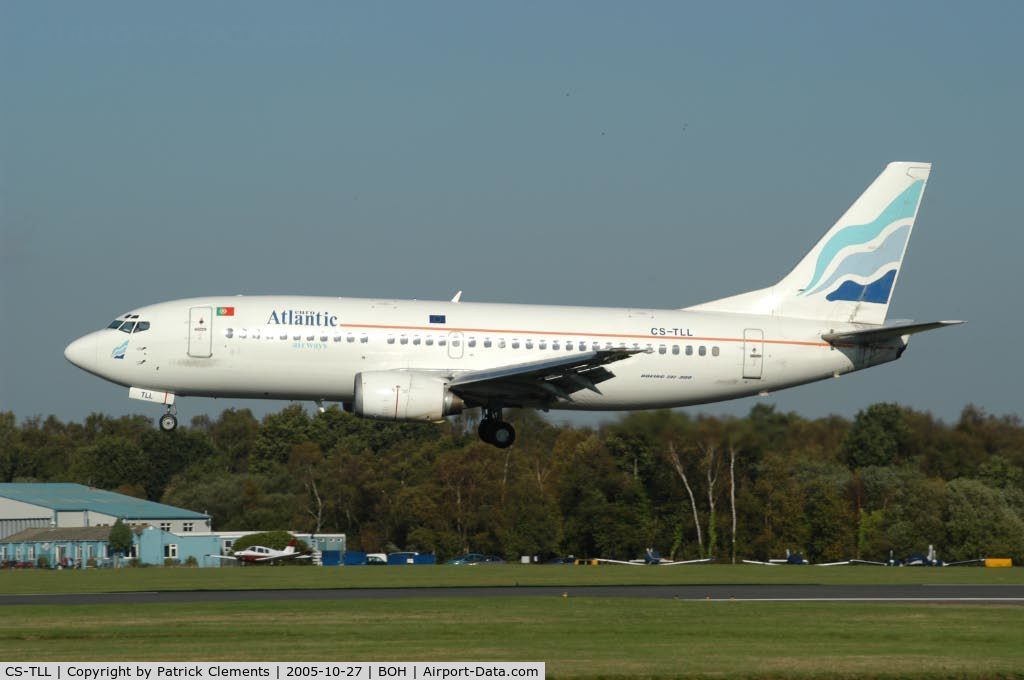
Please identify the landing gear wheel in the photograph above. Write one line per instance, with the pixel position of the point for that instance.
(503, 435)
(168, 422)
(486, 431)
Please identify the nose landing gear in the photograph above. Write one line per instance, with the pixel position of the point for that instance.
(169, 420)
(496, 431)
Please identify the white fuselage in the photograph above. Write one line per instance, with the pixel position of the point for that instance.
(312, 348)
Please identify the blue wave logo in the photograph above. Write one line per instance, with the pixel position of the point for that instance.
(119, 351)
(866, 263)
(901, 208)
(876, 291)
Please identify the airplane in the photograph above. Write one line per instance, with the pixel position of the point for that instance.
(399, 360)
(795, 558)
(652, 558)
(258, 554)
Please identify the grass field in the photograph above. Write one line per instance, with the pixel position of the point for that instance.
(576, 637)
(289, 577)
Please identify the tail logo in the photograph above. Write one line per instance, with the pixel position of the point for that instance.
(864, 258)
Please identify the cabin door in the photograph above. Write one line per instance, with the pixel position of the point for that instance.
(753, 353)
(200, 334)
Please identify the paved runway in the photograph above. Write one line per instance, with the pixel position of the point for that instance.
(972, 594)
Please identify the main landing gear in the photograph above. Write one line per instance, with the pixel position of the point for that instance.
(496, 431)
(169, 420)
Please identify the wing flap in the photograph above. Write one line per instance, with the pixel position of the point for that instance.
(539, 382)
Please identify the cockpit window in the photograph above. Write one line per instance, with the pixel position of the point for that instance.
(127, 327)
(116, 323)
(141, 326)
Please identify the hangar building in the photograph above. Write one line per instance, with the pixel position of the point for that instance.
(34, 506)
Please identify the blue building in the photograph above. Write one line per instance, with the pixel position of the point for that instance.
(84, 547)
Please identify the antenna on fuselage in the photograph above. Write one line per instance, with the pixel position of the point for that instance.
(457, 297)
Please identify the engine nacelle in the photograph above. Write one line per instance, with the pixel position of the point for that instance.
(403, 395)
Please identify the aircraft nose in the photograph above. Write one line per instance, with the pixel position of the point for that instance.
(82, 352)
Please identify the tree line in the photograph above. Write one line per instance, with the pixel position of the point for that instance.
(891, 480)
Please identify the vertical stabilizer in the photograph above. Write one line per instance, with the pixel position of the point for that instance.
(849, 275)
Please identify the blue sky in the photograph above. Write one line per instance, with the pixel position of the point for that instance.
(654, 154)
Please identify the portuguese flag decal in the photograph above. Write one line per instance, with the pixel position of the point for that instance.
(225, 311)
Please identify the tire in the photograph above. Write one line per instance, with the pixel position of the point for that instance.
(486, 431)
(168, 422)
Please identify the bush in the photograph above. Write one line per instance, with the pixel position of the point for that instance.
(137, 563)
(191, 561)
(171, 562)
(43, 562)
(91, 563)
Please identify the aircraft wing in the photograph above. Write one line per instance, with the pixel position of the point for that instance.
(874, 334)
(628, 563)
(539, 382)
(225, 557)
(289, 556)
(705, 560)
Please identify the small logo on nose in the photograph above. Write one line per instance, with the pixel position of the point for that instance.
(118, 352)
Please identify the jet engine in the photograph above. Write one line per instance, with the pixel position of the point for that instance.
(403, 395)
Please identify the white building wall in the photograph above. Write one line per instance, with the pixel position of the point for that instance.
(12, 509)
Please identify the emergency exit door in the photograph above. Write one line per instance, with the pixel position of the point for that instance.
(200, 334)
(753, 353)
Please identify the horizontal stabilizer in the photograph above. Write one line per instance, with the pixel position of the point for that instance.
(870, 336)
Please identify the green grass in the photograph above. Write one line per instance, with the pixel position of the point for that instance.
(576, 637)
(289, 577)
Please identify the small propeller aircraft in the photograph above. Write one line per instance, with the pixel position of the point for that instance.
(259, 554)
(797, 559)
(652, 558)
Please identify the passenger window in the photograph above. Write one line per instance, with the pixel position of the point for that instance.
(404, 340)
(243, 333)
(364, 338)
(529, 344)
(714, 351)
(456, 343)
(594, 346)
(430, 340)
(689, 350)
(141, 326)
(702, 350)
(391, 339)
(128, 326)
(284, 336)
(661, 349)
(675, 349)
(323, 338)
(487, 342)
(555, 344)
(471, 342)
(229, 332)
(515, 343)
(568, 345)
(543, 344)
(415, 339)
(441, 342)
(501, 343)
